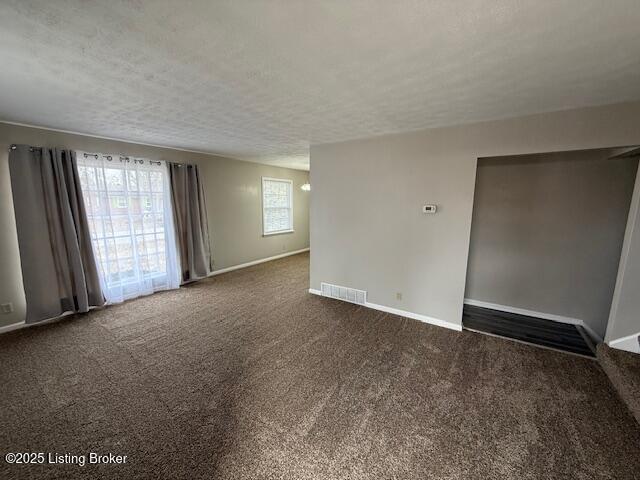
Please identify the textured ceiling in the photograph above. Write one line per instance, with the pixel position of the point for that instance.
(261, 80)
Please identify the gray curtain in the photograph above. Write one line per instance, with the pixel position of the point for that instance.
(190, 214)
(58, 268)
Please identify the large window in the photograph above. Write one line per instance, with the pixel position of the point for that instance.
(131, 224)
(277, 206)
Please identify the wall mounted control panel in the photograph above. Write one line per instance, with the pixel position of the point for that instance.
(429, 208)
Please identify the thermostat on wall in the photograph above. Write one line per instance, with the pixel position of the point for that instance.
(429, 208)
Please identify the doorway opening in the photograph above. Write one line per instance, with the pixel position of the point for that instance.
(546, 239)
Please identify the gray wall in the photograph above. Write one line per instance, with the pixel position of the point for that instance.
(547, 232)
(232, 190)
(367, 229)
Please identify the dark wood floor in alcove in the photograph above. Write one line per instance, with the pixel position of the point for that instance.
(546, 333)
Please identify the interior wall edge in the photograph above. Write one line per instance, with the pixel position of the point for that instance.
(367, 227)
(630, 235)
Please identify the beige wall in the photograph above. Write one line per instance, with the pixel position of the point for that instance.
(547, 232)
(367, 229)
(232, 190)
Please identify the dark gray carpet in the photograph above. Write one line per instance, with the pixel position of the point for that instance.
(247, 376)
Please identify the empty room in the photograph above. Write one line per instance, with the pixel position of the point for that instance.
(351, 239)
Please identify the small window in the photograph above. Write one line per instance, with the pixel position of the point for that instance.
(277, 206)
(119, 202)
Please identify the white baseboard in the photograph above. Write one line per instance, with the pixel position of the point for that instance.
(628, 344)
(403, 313)
(23, 324)
(19, 325)
(256, 262)
(533, 313)
(12, 326)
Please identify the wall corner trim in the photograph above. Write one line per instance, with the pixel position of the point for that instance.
(256, 262)
(630, 343)
(403, 313)
(533, 313)
(624, 258)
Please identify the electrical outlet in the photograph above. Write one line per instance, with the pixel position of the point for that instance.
(7, 307)
(399, 296)
(429, 208)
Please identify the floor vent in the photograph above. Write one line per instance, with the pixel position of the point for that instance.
(343, 293)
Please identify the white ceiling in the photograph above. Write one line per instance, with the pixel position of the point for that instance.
(261, 80)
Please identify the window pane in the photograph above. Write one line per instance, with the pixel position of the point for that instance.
(276, 205)
(133, 204)
(113, 272)
(162, 263)
(99, 251)
(153, 264)
(276, 219)
(144, 265)
(148, 221)
(92, 202)
(114, 179)
(119, 204)
(156, 181)
(146, 243)
(158, 203)
(124, 246)
(159, 219)
(160, 240)
(101, 206)
(82, 174)
(275, 201)
(137, 224)
(120, 225)
(125, 204)
(133, 180)
(111, 251)
(108, 227)
(274, 187)
(143, 181)
(90, 178)
(95, 227)
(126, 269)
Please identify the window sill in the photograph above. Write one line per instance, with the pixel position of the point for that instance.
(277, 233)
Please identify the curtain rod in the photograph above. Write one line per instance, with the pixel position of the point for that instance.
(122, 158)
(13, 146)
(128, 159)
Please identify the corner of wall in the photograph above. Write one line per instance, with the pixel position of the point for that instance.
(11, 288)
(615, 330)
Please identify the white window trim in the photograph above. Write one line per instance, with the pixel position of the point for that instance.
(279, 232)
